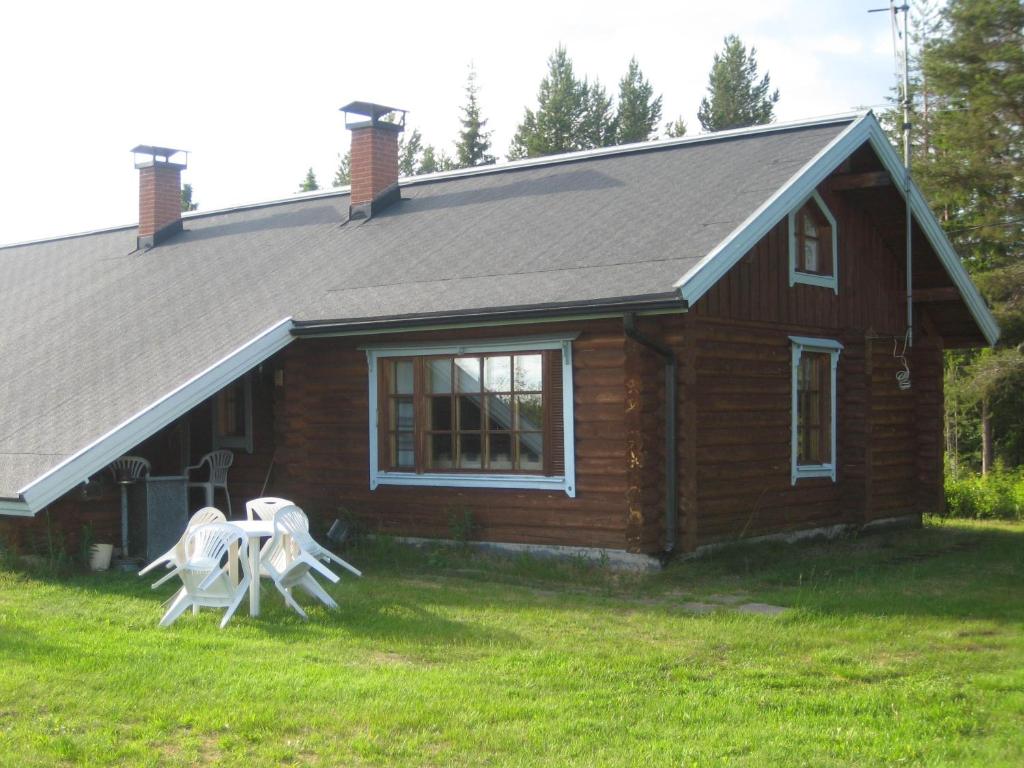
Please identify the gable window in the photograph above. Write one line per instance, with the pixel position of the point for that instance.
(232, 416)
(486, 414)
(813, 244)
(814, 364)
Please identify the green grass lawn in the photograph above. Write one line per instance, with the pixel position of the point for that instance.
(898, 649)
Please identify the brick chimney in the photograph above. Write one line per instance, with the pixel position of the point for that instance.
(159, 194)
(374, 166)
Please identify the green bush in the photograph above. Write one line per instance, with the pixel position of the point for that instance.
(999, 495)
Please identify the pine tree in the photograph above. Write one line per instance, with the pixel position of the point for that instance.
(598, 125)
(474, 142)
(309, 184)
(639, 111)
(433, 161)
(735, 97)
(562, 103)
(676, 128)
(343, 176)
(186, 199)
(410, 152)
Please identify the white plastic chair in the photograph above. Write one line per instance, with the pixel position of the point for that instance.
(265, 508)
(296, 524)
(176, 556)
(205, 577)
(219, 463)
(289, 562)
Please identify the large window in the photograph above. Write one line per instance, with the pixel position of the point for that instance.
(488, 414)
(814, 407)
(813, 244)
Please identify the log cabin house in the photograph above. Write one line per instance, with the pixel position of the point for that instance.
(642, 349)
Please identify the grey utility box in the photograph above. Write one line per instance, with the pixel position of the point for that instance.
(157, 515)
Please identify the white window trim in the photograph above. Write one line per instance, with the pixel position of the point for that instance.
(795, 276)
(566, 482)
(832, 348)
(243, 442)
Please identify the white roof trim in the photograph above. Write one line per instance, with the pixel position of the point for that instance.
(710, 269)
(98, 454)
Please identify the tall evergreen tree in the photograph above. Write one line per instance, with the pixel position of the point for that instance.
(309, 184)
(598, 125)
(736, 99)
(562, 103)
(969, 161)
(186, 199)
(410, 153)
(416, 158)
(638, 111)
(474, 142)
(675, 129)
(343, 176)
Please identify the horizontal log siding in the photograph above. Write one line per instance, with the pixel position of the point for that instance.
(322, 459)
(743, 400)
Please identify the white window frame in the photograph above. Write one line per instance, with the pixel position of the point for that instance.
(800, 344)
(565, 483)
(795, 276)
(243, 442)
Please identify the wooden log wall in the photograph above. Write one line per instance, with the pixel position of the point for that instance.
(742, 368)
(322, 456)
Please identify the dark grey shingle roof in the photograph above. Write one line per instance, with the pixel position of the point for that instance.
(92, 332)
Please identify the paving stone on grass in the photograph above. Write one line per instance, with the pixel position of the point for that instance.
(727, 599)
(700, 608)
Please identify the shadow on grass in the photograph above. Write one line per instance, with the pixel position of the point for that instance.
(947, 569)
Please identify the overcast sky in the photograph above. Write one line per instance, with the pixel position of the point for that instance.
(252, 89)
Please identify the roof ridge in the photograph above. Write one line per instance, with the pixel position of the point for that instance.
(480, 170)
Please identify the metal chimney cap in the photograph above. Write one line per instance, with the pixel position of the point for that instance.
(375, 112)
(161, 155)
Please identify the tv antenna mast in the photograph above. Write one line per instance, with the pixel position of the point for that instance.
(903, 52)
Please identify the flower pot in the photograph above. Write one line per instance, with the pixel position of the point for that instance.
(99, 557)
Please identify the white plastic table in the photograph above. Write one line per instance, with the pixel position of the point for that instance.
(254, 530)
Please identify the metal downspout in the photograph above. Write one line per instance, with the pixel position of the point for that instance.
(671, 500)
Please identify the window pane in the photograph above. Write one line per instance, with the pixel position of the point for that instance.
(814, 409)
(468, 371)
(402, 377)
(811, 256)
(401, 413)
(499, 450)
(810, 225)
(529, 412)
(439, 376)
(231, 411)
(470, 417)
(498, 374)
(439, 416)
(402, 454)
(531, 451)
(469, 452)
(529, 370)
(499, 412)
(439, 452)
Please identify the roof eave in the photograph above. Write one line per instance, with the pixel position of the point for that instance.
(94, 457)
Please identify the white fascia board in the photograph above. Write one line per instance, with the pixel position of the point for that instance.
(98, 454)
(936, 236)
(15, 508)
(709, 270)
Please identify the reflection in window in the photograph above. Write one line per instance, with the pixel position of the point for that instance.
(470, 413)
